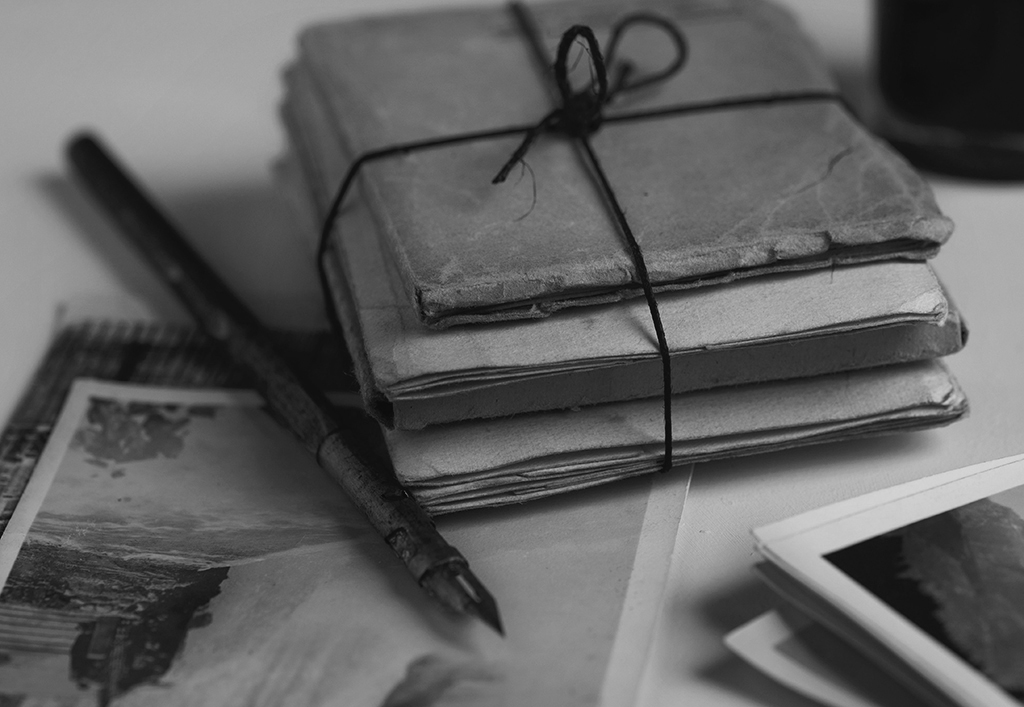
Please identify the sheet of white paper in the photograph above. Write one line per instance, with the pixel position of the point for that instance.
(178, 547)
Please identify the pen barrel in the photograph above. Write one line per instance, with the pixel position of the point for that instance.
(216, 307)
(395, 515)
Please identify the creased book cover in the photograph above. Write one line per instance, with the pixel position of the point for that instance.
(777, 327)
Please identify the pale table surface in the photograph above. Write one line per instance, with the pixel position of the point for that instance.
(187, 92)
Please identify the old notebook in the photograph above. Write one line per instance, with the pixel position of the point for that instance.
(490, 462)
(771, 328)
(712, 196)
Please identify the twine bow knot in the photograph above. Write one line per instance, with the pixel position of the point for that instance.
(580, 113)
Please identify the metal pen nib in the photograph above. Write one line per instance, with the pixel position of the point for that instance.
(455, 586)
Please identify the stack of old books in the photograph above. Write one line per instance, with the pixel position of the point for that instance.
(498, 329)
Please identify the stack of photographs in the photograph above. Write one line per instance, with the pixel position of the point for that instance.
(925, 580)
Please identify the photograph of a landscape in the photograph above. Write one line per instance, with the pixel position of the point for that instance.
(189, 552)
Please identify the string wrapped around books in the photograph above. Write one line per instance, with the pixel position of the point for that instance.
(576, 116)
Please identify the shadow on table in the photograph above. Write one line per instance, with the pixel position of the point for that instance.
(889, 449)
(244, 231)
(727, 611)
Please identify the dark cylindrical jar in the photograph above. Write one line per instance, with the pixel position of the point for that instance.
(951, 77)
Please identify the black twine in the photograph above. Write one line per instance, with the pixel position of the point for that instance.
(577, 115)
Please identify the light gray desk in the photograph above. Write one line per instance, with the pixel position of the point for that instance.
(186, 92)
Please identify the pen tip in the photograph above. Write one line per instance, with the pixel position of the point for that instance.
(457, 587)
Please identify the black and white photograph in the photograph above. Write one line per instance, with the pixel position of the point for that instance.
(959, 577)
(179, 547)
(925, 578)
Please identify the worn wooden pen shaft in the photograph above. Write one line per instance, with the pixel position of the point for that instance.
(437, 566)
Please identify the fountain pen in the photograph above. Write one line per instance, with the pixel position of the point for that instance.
(436, 566)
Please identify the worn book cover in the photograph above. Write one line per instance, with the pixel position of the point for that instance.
(483, 462)
(711, 196)
(771, 328)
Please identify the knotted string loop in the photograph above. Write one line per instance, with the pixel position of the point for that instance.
(580, 113)
(625, 71)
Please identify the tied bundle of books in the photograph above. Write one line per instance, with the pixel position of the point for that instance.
(500, 330)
